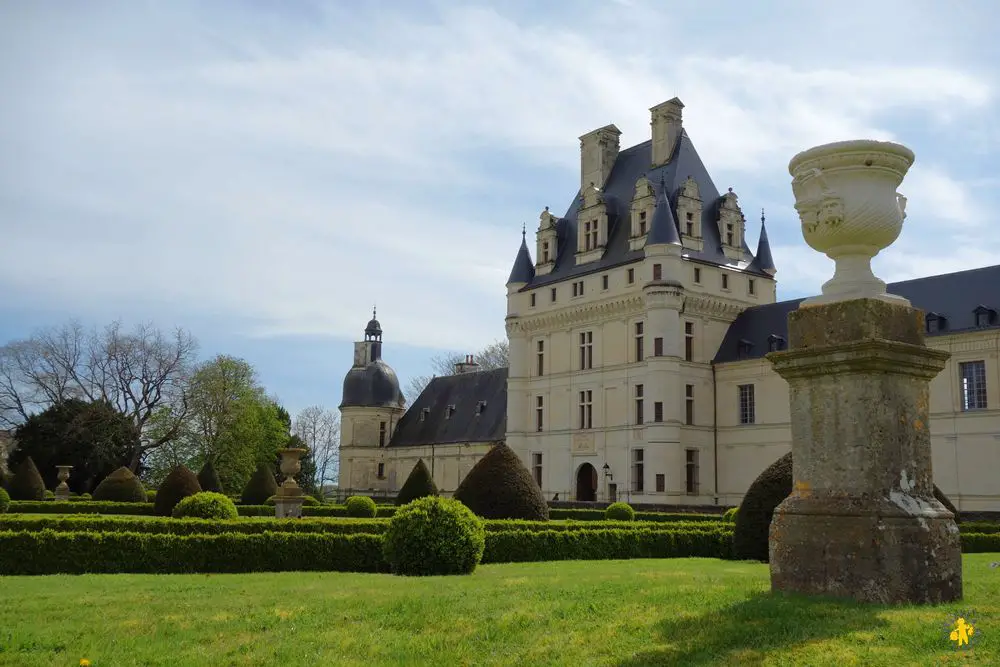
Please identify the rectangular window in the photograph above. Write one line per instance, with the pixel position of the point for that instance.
(639, 353)
(747, 415)
(973, 387)
(536, 468)
(661, 483)
(574, 289)
(642, 223)
(586, 350)
(639, 416)
(593, 234)
(631, 276)
(381, 434)
(725, 281)
(658, 411)
(587, 409)
(533, 299)
(541, 358)
(657, 271)
(689, 224)
(729, 234)
(586, 235)
(380, 473)
(689, 341)
(604, 282)
(697, 275)
(553, 293)
(751, 286)
(689, 404)
(658, 347)
(578, 288)
(545, 252)
(638, 471)
(539, 413)
(692, 471)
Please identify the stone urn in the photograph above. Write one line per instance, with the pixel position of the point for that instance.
(288, 500)
(845, 195)
(62, 491)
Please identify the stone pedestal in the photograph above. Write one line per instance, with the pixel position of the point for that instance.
(862, 521)
(288, 501)
(62, 491)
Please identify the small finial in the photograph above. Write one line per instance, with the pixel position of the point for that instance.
(730, 189)
(524, 229)
(373, 313)
(546, 209)
(762, 216)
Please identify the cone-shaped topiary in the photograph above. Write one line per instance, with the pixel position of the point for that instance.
(417, 485)
(209, 479)
(4, 500)
(619, 512)
(4, 478)
(500, 487)
(753, 518)
(260, 487)
(27, 484)
(178, 485)
(206, 505)
(121, 486)
(432, 536)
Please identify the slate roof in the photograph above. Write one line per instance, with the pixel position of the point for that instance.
(763, 261)
(466, 423)
(664, 227)
(955, 296)
(374, 385)
(631, 164)
(523, 270)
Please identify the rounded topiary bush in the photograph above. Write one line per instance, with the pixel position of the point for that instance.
(50, 495)
(730, 515)
(360, 507)
(86, 496)
(434, 536)
(26, 484)
(209, 479)
(177, 486)
(753, 517)
(4, 500)
(619, 512)
(206, 505)
(500, 487)
(150, 495)
(418, 485)
(121, 486)
(260, 487)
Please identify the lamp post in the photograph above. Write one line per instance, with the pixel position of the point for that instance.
(608, 478)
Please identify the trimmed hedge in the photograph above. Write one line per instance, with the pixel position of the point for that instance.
(547, 545)
(78, 507)
(598, 515)
(4, 500)
(307, 501)
(977, 543)
(500, 487)
(121, 486)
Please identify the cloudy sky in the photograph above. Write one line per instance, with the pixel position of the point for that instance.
(262, 172)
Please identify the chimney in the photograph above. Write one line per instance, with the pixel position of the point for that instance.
(666, 121)
(467, 365)
(598, 151)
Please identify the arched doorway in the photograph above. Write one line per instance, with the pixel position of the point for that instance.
(586, 483)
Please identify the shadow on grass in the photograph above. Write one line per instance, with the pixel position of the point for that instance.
(742, 633)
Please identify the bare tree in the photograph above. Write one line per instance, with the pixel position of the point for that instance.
(144, 374)
(493, 356)
(319, 429)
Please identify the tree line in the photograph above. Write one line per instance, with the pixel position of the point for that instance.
(100, 399)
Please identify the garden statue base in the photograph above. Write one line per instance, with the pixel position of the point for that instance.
(288, 503)
(862, 521)
(62, 490)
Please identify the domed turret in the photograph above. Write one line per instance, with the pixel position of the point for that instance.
(371, 382)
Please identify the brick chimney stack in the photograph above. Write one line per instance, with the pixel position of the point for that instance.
(467, 365)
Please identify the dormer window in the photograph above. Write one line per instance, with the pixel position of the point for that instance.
(744, 349)
(731, 225)
(590, 235)
(424, 413)
(592, 226)
(480, 406)
(985, 316)
(775, 343)
(689, 211)
(449, 411)
(641, 212)
(935, 323)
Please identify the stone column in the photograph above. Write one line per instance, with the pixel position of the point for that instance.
(861, 521)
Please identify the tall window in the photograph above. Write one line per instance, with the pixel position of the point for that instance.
(381, 434)
(638, 471)
(689, 341)
(587, 409)
(729, 234)
(973, 387)
(539, 413)
(533, 299)
(751, 286)
(725, 281)
(586, 350)
(552, 293)
(658, 347)
(642, 223)
(545, 252)
(638, 342)
(380, 473)
(578, 288)
(536, 468)
(697, 274)
(604, 282)
(639, 417)
(747, 415)
(541, 358)
(590, 235)
(691, 469)
(689, 224)
(630, 274)
(657, 271)
(658, 411)
(661, 483)
(689, 404)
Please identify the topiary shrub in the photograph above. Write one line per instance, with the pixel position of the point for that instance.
(121, 486)
(434, 536)
(361, 507)
(50, 495)
(418, 485)
(307, 501)
(500, 487)
(4, 500)
(753, 517)
(27, 484)
(260, 487)
(86, 496)
(206, 505)
(177, 486)
(4, 478)
(730, 515)
(209, 479)
(619, 512)
(150, 495)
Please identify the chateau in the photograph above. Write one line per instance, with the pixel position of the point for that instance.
(638, 336)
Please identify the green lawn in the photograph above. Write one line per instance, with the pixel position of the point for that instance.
(641, 612)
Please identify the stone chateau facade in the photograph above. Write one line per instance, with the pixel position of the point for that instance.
(637, 339)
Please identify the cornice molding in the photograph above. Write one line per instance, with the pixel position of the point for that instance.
(712, 306)
(582, 314)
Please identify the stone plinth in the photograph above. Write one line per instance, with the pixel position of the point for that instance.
(862, 521)
(288, 503)
(62, 490)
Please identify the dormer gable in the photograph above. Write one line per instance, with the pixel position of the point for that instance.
(546, 240)
(643, 203)
(984, 316)
(935, 322)
(744, 349)
(591, 225)
(689, 211)
(776, 343)
(731, 226)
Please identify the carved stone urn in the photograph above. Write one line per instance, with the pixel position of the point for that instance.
(288, 500)
(845, 195)
(62, 491)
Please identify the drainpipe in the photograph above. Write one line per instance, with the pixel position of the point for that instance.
(715, 433)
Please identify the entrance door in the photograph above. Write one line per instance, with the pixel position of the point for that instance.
(612, 493)
(586, 483)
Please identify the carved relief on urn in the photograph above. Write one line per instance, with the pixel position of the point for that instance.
(845, 195)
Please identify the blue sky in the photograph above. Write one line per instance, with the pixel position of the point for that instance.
(261, 173)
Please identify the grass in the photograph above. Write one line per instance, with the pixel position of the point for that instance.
(627, 613)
